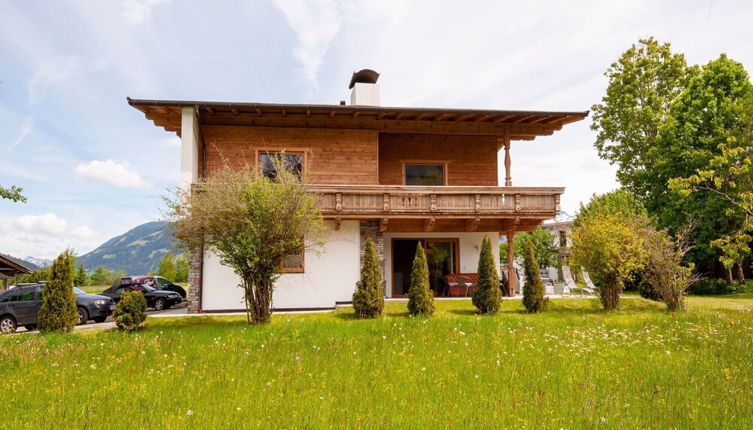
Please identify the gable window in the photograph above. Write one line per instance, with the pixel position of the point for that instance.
(424, 174)
(293, 162)
(292, 263)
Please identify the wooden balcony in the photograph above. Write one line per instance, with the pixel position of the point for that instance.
(455, 207)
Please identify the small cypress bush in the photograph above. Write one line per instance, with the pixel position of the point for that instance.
(368, 299)
(420, 297)
(58, 311)
(130, 312)
(533, 291)
(487, 297)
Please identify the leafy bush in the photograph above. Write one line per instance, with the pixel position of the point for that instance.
(130, 312)
(543, 246)
(487, 297)
(533, 290)
(712, 286)
(368, 299)
(58, 311)
(420, 297)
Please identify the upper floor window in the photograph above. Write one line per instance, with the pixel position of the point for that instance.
(293, 162)
(424, 174)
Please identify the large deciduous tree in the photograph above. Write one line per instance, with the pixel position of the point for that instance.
(702, 153)
(251, 222)
(608, 240)
(643, 83)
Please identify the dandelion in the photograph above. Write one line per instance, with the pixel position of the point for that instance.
(189, 412)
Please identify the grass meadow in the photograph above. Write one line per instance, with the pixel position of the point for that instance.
(571, 367)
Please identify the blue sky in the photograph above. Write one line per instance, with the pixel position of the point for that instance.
(93, 167)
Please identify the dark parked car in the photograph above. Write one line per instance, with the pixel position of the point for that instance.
(156, 282)
(157, 299)
(19, 307)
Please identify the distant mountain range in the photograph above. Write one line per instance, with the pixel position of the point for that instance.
(137, 252)
(38, 263)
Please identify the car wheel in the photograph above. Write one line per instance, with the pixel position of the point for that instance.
(83, 316)
(7, 325)
(100, 319)
(30, 327)
(159, 304)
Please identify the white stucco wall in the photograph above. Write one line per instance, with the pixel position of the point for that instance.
(470, 247)
(330, 276)
(189, 147)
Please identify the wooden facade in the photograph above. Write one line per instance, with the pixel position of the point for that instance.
(356, 158)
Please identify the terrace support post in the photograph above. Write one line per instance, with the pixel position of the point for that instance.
(370, 229)
(511, 279)
(508, 177)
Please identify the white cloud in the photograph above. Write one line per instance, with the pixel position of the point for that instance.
(47, 224)
(44, 235)
(171, 141)
(315, 23)
(23, 131)
(51, 72)
(138, 11)
(111, 172)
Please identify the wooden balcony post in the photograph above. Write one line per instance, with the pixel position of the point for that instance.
(508, 177)
(511, 280)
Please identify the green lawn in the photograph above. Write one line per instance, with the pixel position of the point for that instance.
(572, 367)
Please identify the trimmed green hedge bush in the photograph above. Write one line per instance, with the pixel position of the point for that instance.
(420, 297)
(130, 312)
(368, 299)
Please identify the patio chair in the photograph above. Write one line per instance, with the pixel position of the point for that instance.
(590, 287)
(567, 276)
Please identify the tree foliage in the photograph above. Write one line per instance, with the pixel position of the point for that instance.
(420, 297)
(81, 279)
(533, 290)
(487, 297)
(643, 83)
(130, 312)
(252, 222)
(609, 243)
(58, 311)
(166, 267)
(13, 193)
(665, 271)
(671, 129)
(543, 246)
(181, 268)
(368, 299)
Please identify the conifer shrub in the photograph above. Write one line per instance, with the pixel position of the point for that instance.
(533, 290)
(487, 297)
(58, 311)
(368, 299)
(420, 297)
(130, 312)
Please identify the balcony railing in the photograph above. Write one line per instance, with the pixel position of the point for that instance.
(361, 201)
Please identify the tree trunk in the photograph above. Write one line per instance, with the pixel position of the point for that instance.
(258, 297)
(610, 294)
(739, 273)
(728, 275)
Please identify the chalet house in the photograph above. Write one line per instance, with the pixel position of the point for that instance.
(400, 175)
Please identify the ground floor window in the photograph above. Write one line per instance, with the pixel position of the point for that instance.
(292, 263)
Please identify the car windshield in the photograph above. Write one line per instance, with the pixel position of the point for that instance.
(79, 291)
